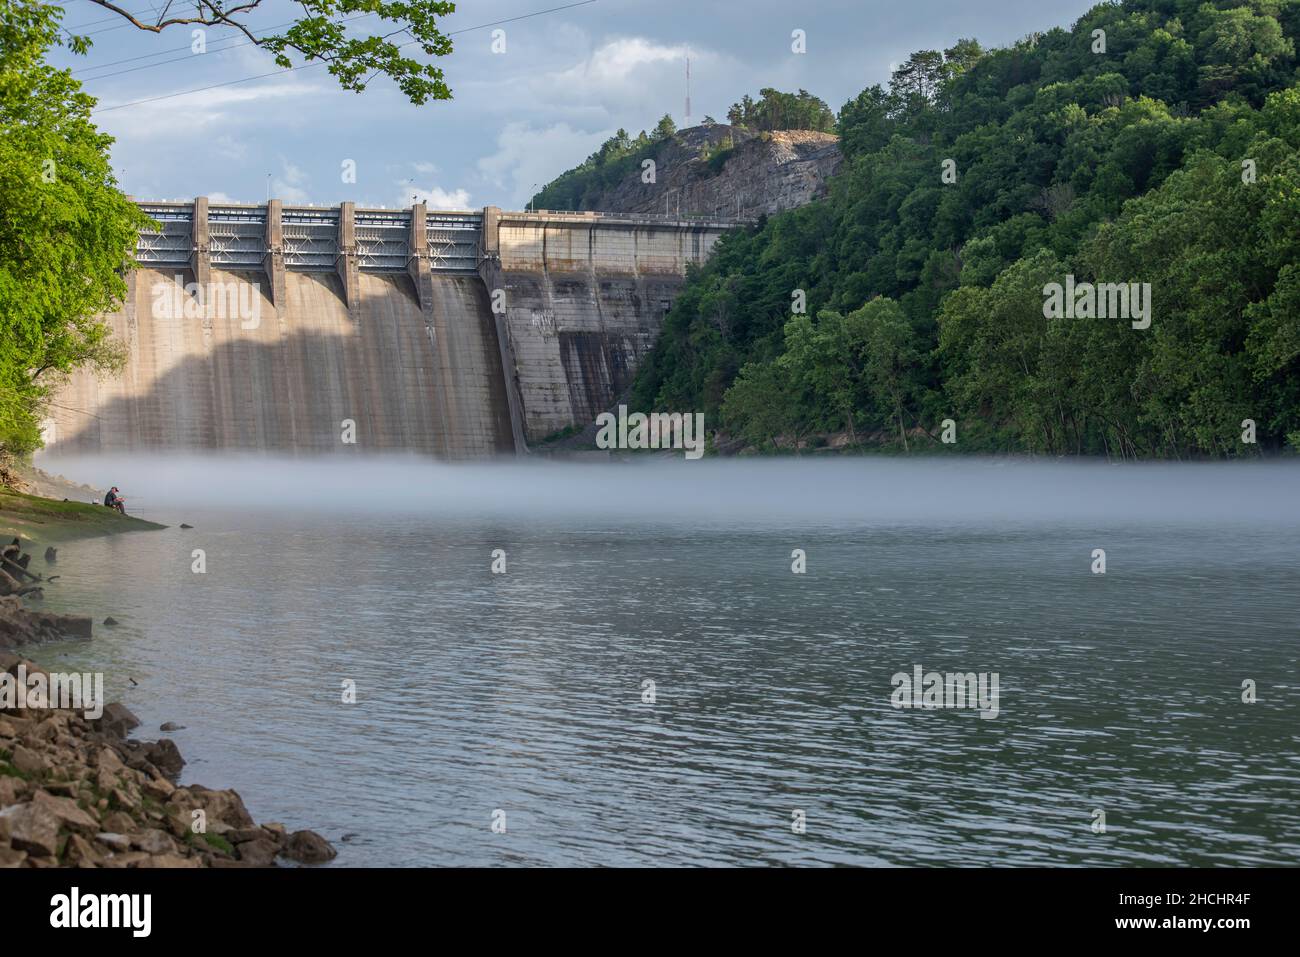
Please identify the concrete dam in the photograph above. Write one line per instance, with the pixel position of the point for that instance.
(315, 329)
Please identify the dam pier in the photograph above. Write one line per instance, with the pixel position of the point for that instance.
(453, 334)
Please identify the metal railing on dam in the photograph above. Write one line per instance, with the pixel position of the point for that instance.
(319, 238)
(238, 236)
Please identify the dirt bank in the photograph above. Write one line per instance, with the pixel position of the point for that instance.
(45, 520)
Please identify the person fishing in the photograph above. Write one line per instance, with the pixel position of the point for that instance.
(115, 500)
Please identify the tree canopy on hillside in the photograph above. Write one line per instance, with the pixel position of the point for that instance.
(774, 110)
(979, 178)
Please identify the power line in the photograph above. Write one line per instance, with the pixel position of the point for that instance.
(120, 26)
(186, 47)
(153, 8)
(315, 63)
(189, 53)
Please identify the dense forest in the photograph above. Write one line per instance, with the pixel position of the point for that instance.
(1155, 142)
(774, 110)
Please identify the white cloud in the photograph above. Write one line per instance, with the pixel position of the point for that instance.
(628, 82)
(290, 185)
(208, 113)
(616, 61)
(230, 148)
(425, 169)
(527, 158)
(434, 197)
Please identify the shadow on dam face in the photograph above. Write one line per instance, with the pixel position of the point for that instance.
(293, 380)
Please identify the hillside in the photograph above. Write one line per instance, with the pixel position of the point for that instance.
(702, 171)
(1151, 149)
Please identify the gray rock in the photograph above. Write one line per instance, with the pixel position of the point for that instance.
(309, 848)
(165, 756)
(115, 842)
(66, 811)
(11, 858)
(258, 853)
(153, 842)
(74, 626)
(118, 720)
(27, 761)
(30, 828)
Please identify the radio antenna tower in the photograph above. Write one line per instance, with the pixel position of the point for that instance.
(687, 120)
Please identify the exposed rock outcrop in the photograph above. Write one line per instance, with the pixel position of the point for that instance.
(761, 173)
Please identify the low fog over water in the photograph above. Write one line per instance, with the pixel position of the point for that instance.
(761, 492)
(524, 690)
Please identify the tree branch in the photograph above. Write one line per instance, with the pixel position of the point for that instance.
(218, 17)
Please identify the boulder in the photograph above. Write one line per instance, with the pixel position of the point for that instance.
(11, 858)
(79, 852)
(308, 847)
(66, 811)
(225, 806)
(114, 842)
(159, 788)
(153, 842)
(28, 761)
(118, 720)
(30, 828)
(165, 756)
(258, 853)
(72, 626)
(109, 760)
(119, 823)
(241, 835)
(106, 780)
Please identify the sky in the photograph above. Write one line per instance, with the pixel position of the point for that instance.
(565, 81)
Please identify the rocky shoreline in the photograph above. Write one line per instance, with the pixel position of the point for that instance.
(75, 791)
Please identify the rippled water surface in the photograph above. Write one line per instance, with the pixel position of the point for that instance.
(523, 691)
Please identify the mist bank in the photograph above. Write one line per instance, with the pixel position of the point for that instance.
(741, 492)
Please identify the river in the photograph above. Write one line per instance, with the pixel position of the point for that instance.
(528, 692)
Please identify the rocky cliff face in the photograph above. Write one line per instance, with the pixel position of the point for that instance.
(697, 175)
